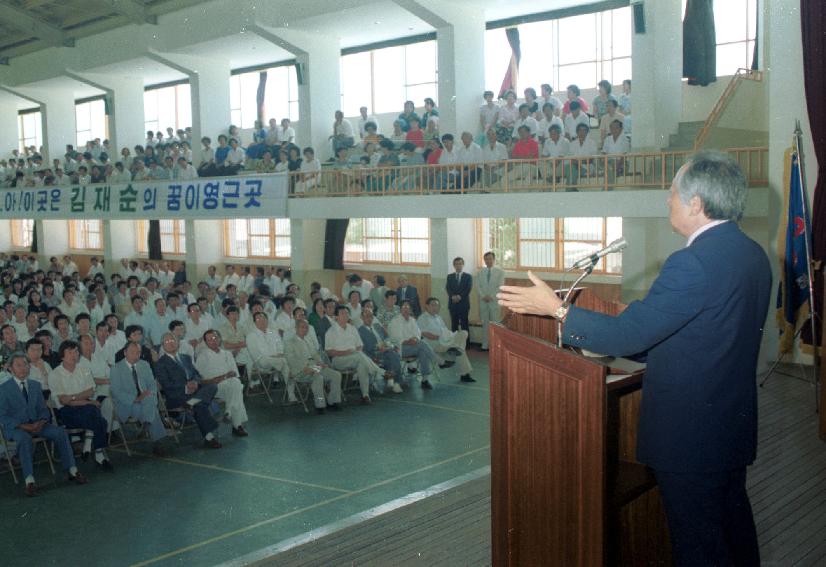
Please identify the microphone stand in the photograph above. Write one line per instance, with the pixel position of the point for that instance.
(585, 273)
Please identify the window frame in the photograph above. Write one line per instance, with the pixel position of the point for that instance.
(397, 239)
(178, 234)
(273, 234)
(558, 242)
(90, 132)
(178, 103)
(20, 228)
(36, 139)
(83, 233)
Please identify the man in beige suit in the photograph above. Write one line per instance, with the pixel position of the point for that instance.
(488, 281)
(306, 365)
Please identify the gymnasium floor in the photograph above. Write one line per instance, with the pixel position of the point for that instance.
(294, 473)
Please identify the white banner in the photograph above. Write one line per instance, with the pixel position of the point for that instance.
(219, 198)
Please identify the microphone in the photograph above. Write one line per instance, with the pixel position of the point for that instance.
(615, 246)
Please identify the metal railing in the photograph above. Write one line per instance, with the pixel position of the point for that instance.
(716, 112)
(594, 173)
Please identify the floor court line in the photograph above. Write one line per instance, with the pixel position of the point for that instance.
(274, 519)
(238, 472)
(435, 406)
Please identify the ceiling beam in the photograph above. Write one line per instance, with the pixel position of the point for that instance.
(18, 18)
(134, 10)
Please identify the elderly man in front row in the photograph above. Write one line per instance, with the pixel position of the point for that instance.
(377, 346)
(306, 365)
(180, 384)
(405, 333)
(344, 347)
(23, 415)
(134, 394)
(217, 366)
(267, 350)
(442, 340)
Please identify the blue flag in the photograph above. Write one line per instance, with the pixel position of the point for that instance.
(793, 292)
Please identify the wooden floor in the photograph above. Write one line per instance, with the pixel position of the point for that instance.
(787, 485)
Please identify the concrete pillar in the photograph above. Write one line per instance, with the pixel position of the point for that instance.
(119, 241)
(209, 87)
(439, 263)
(204, 246)
(52, 239)
(786, 104)
(124, 95)
(657, 66)
(57, 106)
(319, 87)
(9, 135)
(460, 37)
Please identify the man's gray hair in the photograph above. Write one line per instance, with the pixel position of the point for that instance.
(15, 355)
(719, 183)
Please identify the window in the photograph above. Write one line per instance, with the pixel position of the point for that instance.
(173, 236)
(280, 96)
(735, 23)
(166, 107)
(548, 244)
(580, 50)
(388, 241)
(30, 129)
(22, 233)
(90, 121)
(257, 238)
(86, 234)
(383, 79)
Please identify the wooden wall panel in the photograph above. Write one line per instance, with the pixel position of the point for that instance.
(420, 281)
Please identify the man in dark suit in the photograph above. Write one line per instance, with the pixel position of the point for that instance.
(376, 345)
(180, 385)
(458, 289)
(700, 326)
(407, 292)
(327, 321)
(23, 416)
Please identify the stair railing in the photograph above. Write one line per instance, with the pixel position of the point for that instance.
(713, 118)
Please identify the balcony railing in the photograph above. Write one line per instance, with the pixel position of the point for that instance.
(597, 173)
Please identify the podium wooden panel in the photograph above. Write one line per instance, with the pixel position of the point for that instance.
(565, 487)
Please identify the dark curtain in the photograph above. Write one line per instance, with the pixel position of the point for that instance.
(699, 43)
(153, 240)
(34, 238)
(259, 97)
(813, 24)
(334, 236)
(755, 57)
(512, 74)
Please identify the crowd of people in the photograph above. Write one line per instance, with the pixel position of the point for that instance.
(530, 128)
(143, 345)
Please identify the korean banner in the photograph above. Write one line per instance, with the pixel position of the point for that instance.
(220, 198)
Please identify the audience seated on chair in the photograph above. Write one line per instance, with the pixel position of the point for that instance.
(442, 340)
(377, 346)
(405, 333)
(266, 349)
(344, 347)
(307, 366)
(217, 366)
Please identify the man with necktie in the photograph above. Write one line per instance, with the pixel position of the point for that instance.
(407, 292)
(134, 394)
(488, 282)
(181, 386)
(458, 289)
(24, 416)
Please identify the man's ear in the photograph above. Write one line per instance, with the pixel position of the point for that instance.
(696, 205)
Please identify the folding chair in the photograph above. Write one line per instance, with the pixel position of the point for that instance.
(303, 392)
(114, 419)
(266, 378)
(348, 382)
(11, 446)
(167, 414)
(70, 431)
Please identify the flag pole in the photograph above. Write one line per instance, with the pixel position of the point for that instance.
(813, 316)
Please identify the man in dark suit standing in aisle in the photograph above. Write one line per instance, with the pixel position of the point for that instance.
(458, 289)
(407, 292)
(700, 325)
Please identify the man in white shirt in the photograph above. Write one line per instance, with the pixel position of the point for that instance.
(344, 347)
(448, 178)
(469, 154)
(583, 146)
(616, 142)
(196, 327)
(488, 281)
(236, 155)
(185, 171)
(493, 154)
(230, 277)
(442, 340)
(306, 365)
(283, 322)
(356, 283)
(405, 333)
(287, 132)
(310, 171)
(555, 146)
(217, 366)
(266, 350)
(364, 119)
(70, 306)
(548, 120)
(95, 267)
(69, 266)
(342, 136)
(574, 119)
(138, 316)
(525, 119)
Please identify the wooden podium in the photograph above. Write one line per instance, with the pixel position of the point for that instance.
(565, 487)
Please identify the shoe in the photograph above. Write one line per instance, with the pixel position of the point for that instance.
(467, 378)
(78, 478)
(159, 452)
(105, 465)
(240, 431)
(397, 389)
(447, 364)
(454, 351)
(31, 489)
(319, 411)
(366, 401)
(426, 385)
(484, 349)
(212, 443)
(334, 407)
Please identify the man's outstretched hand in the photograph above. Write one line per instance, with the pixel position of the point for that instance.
(538, 299)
